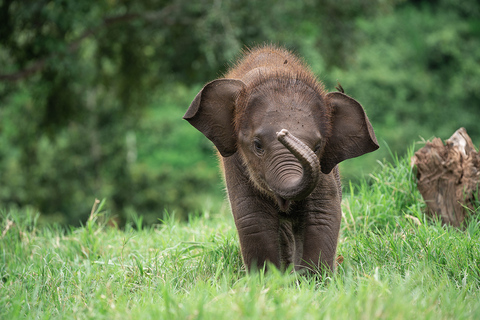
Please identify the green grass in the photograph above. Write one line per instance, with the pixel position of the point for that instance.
(397, 264)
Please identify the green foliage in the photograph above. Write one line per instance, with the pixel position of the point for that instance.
(92, 92)
(175, 168)
(396, 264)
(74, 98)
(417, 75)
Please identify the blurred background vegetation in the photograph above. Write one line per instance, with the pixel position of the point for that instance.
(92, 93)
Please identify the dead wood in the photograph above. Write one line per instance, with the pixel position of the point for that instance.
(448, 177)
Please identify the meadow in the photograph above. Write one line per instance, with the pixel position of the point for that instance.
(397, 264)
(92, 95)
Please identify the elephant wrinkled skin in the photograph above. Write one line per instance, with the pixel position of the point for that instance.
(280, 137)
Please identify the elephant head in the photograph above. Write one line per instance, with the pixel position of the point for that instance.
(287, 132)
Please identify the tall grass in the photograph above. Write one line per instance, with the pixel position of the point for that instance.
(397, 264)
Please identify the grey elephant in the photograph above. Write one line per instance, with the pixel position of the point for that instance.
(280, 137)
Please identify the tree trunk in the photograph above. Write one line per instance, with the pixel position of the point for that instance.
(448, 177)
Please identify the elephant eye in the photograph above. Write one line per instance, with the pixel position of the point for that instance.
(258, 147)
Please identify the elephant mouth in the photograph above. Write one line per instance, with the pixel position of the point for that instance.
(283, 204)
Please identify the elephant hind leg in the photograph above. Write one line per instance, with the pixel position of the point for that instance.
(291, 243)
(287, 243)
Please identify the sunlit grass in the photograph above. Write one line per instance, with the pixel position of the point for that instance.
(397, 264)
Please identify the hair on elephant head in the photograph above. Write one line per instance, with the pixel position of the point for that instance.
(281, 136)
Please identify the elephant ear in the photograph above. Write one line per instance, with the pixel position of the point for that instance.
(352, 134)
(212, 110)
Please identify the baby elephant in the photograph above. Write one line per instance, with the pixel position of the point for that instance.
(281, 136)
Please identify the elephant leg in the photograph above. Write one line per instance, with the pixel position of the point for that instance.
(291, 241)
(255, 217)
(320, 240)
(287, 243)
(321, 216)
(259, 239)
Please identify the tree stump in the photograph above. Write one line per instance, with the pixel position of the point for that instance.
(448, 177)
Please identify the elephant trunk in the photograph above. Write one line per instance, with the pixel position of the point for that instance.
(293, 180)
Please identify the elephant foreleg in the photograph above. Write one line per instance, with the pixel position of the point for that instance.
(320, 245)
(259, 241)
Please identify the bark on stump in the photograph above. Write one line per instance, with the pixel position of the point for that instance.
(448, 177)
